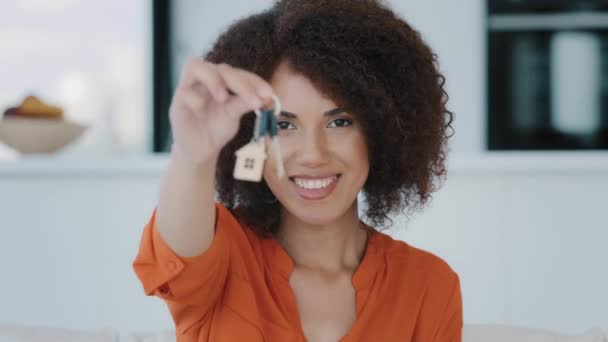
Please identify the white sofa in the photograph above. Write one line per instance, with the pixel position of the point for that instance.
(504, 333)
(471, 333)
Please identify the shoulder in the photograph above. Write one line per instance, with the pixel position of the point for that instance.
(235, 235)
(428, 285)
(430, 281)
(411, 260)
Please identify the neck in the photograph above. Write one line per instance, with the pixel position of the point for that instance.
(334, 247)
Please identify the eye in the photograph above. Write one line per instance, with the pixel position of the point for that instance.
(283, 125)
(341, 123)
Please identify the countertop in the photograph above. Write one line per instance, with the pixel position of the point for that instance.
(153, 165)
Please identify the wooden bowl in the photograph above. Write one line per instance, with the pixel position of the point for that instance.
(38, 135)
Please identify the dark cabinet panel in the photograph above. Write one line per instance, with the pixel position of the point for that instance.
(547, 75)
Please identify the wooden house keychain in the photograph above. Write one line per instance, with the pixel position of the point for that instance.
(250, 158)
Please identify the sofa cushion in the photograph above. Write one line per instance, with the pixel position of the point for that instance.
(25, 333)
(150, 336)
(471, 333)
(505, 333)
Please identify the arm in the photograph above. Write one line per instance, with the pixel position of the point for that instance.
(187, 245)
(451, 324)
(186, 210)
(185, 248)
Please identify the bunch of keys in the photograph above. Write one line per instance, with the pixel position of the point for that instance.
(250, 158)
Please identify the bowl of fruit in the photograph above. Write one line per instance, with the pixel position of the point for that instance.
(35, 127)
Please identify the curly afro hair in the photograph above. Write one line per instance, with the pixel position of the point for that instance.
(366, 59)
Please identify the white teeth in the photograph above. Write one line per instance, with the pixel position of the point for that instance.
(314, 184)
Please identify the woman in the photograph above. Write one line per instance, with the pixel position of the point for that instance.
(288, 258)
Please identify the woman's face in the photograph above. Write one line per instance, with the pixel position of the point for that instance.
(324, 152)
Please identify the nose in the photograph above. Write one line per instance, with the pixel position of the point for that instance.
(312, 152)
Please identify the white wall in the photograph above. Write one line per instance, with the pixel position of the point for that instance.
(527, 234)
(69, 232)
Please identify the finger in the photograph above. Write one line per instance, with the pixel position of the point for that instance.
(192, 100)
(202, 91)
(264, 90)
(262, 87)
(240, 85)
(201, 73)
(236, 107)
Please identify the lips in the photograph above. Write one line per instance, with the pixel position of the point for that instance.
(329, 182)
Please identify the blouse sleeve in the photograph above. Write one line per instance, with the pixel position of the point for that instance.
(189, 285)
(451, 321)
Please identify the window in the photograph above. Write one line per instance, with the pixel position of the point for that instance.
(183, 29)
(91, 58)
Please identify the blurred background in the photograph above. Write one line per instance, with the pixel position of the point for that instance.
(521, 216)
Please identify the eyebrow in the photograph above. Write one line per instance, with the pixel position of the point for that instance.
(328, 113)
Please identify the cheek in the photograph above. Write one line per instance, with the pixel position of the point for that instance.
(352, 148)
(269, 169)
(270, 151)
(358, 160)
(288, 143)
(360, 157)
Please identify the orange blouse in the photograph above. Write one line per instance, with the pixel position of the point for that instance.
(238, 290)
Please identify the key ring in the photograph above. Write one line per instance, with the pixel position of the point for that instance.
(277, 106)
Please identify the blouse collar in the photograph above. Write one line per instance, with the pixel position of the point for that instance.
(281, 263)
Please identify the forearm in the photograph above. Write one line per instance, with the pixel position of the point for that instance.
(186, 208)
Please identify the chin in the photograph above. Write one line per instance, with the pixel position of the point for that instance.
(316, 215)
(316, 208)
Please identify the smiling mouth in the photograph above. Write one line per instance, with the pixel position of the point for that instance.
(315, 188)
(314, 183)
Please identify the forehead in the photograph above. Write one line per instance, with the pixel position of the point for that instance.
(297, 93)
